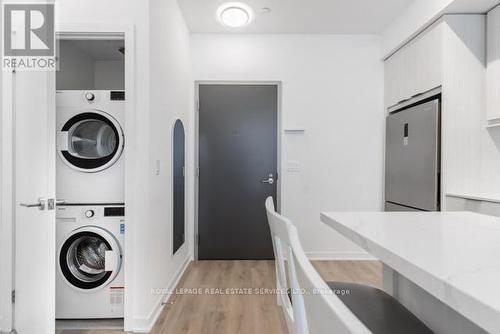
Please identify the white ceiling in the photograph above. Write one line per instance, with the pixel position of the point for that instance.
(299, 16)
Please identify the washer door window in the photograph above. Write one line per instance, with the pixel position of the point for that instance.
(90, 258)
(91, 141)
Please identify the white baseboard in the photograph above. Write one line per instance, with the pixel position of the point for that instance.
(145, 325)
(335, 256)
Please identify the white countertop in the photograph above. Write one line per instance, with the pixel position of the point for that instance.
(455, 256)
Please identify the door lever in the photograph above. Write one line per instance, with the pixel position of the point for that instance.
(52, 203)
(269, 180)
(40, 205)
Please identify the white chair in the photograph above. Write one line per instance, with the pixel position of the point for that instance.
(282, 286)
(318, 307)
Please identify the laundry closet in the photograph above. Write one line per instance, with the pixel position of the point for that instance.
(90, 217)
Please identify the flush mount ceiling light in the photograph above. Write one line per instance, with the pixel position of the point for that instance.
(234, 14)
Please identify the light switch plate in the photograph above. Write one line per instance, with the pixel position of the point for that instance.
(157, 171)
(293, 166)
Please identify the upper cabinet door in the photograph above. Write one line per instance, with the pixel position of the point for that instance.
(416, 68)
(493, 69)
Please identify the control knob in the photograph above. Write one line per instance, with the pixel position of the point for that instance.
(90, 96)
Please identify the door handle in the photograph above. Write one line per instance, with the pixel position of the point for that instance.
(40, 204)
(52, 203)
(269, 180)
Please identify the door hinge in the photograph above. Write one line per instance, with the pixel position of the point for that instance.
(13, 296)
(198, 239)
(198, 171)
(198, 105)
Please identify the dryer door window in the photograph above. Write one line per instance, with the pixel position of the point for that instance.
(83, 257)
(91, 141)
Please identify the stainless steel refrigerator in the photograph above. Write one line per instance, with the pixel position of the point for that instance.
(412, 162)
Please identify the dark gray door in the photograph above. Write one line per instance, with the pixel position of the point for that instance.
(413, 157)
(179, 187)
(237, 152)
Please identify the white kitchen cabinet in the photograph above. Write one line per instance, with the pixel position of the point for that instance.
(450, 54)
(493, 66)
(415, 68)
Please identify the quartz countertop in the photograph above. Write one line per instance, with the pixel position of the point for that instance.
(455, 256)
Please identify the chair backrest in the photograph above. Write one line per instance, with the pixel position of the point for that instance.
(315, 309)
(278, 226)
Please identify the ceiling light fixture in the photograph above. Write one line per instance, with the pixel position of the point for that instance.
(234, 14)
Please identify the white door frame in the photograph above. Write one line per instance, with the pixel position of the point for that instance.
(6, 202)
(196, 144)
(69, 31)
(125, 31)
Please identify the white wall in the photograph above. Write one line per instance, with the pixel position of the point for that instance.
(332, 85)
(79, 71)
(162, 90)
(76, 69)
(171, 97)
(109, 74)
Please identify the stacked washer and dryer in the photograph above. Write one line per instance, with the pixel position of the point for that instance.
(90, 223)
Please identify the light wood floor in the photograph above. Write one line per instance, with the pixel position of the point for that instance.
(244, 314)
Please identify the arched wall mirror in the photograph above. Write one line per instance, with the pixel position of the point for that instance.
(178, 185)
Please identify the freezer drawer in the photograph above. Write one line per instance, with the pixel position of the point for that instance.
(413, 157)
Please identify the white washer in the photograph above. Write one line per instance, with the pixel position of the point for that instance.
(90, 143)
(89, 277)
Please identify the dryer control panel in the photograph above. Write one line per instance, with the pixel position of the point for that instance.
(76, 212)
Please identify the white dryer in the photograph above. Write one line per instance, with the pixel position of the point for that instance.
(90, 143)
(89, 277)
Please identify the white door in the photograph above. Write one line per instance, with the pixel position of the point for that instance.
(34, 175)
